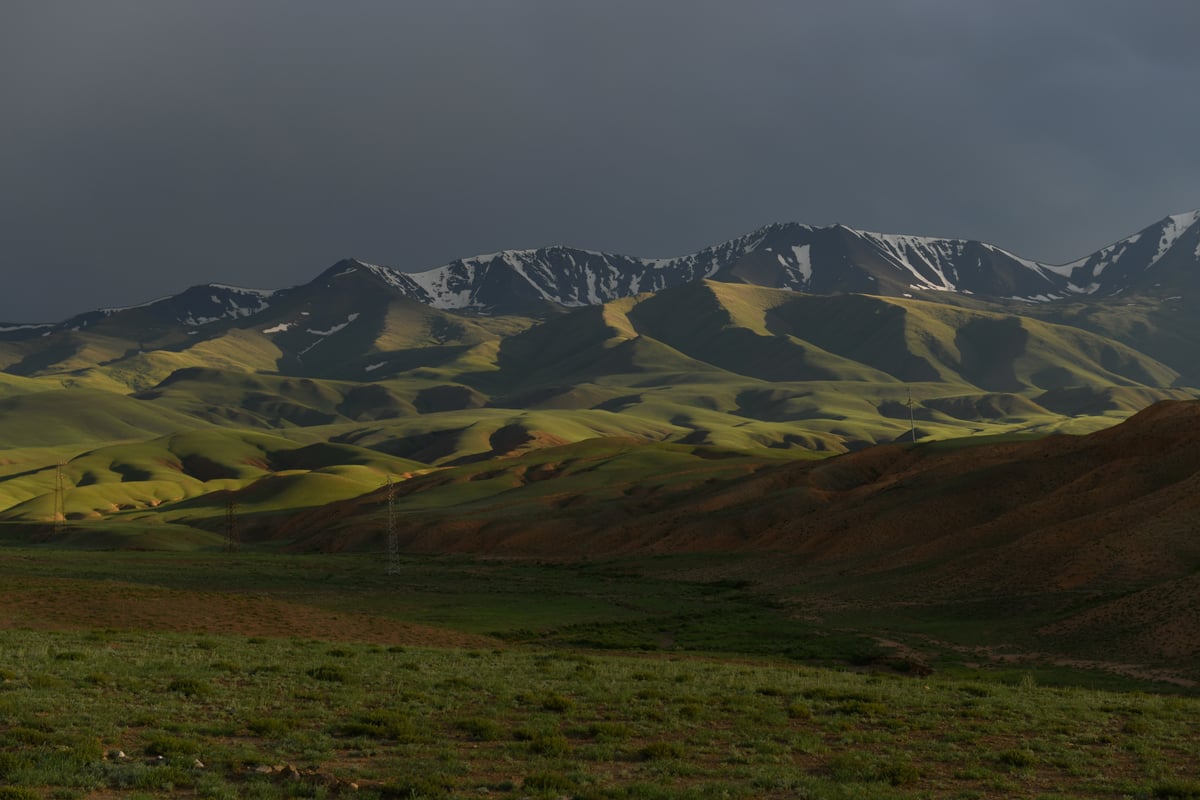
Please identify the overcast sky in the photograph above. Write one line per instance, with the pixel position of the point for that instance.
(152, 145)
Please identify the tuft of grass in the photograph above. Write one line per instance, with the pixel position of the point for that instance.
(1176, 789)
(1018, 759)
(189, 687)
(169, 746)
(328, 673)
(267, 727)
(481, 729)
(428, 787)
(548, 743)
(655, 751)
(380, 725)
(557, 703)
(19, 793)
(548, 781)
(857, 767)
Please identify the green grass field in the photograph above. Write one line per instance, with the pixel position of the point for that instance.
(255, 674)
(104, 712)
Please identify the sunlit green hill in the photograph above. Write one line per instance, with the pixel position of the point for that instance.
(173, 423)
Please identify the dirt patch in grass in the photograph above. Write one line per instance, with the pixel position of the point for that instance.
(70, 604)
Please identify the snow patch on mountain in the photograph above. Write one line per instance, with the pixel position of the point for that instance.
(1101, 260)
(243, 290)
(108, 312)
(925, 258)
(447, 287)
(338, 327)
(27, 327)
(1173, 227)
(518, 261)
(802, 254)
(198, 321)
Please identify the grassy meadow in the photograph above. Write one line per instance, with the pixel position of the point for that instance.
(160, 425)
(260, 675)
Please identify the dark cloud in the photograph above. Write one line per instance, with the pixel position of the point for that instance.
(150, 146)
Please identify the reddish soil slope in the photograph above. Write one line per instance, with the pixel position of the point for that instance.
(1111, 519)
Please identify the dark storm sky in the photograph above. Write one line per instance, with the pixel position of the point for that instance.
(148, 146)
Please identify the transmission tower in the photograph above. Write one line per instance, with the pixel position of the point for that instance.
(912, 421)
(393, 536)
(60, 510)
(231, 532)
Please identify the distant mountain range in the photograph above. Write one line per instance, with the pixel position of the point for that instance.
(1136, 292)
(829, 260)
(1160, 261)
(774, 319)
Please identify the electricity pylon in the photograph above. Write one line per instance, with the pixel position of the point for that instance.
(393, 536)
(912, 421)
(231, 532)
(60, 505)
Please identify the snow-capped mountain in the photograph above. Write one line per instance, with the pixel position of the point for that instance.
(825, 260)
(1162, 260)
(1165, 254)
(521, 280)
(192, 308)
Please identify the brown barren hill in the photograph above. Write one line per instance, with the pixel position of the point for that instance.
(1113, 517)
(1117, 505)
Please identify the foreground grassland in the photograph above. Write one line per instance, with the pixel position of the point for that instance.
(101, 713)
(253, 675)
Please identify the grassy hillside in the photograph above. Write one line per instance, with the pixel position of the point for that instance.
(732, 367)
(1080, 546)
(211, 468)
(70, 416)
(728, 367)
(1167, 330)
(1067, 550)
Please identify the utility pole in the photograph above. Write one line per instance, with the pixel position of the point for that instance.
(231, 533)
(393, 536)
(60, 506)
(912, 420)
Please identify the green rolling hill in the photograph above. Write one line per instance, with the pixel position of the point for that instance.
(391, 385)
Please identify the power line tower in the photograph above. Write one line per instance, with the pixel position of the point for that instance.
(393, 536)
(60, 506)
(912, 420)
(231, 531)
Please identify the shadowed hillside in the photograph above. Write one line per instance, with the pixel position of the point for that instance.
(1092, 537)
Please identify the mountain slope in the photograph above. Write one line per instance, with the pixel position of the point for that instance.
(1162, 257)
(191, 477)
(711, 361)
(1079, 544)
(359, 321)
(1159, 260)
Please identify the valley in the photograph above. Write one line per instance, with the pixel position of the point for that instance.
(690, 419)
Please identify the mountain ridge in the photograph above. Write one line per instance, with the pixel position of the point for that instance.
(819, 260)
